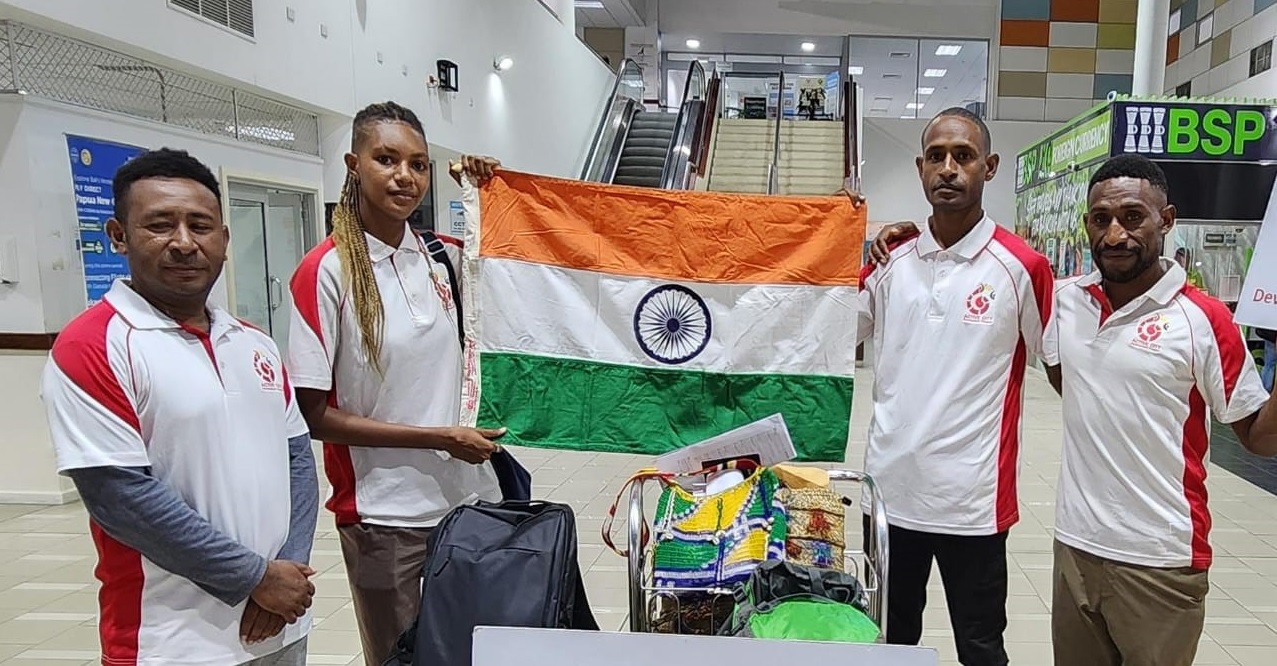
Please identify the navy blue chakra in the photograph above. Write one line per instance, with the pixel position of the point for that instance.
(672, 324)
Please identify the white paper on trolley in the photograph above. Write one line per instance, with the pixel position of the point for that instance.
(766, 441)
(1258, 303)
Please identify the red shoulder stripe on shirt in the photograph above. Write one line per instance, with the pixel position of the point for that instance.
(869, 268)
(305, 286)
(451, 240)
(1036, 265)
(80, 352)
(1233, 356)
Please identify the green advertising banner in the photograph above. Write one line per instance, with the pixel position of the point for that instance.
(1079, 144)
(1050, 217)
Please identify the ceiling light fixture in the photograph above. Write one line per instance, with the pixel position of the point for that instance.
(808, 47)
(926, 91)
(503, 63)
(914, 106)
(855, 71)
(935, 73)
(588, 4)
(948, 49)
(693, 43)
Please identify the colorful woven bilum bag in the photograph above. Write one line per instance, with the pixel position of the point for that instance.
(817, 527)
(715, 541)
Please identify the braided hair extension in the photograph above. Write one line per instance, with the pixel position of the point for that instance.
(352, 244)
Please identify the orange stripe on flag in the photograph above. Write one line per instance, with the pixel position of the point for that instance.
(670, 234)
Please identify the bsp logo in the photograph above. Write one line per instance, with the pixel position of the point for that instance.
(1184, 131)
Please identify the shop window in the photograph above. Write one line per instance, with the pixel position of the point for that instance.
(1184, 89)
(1205, 29)
(1261, 58)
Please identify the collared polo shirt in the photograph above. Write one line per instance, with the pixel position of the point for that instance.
(421, 384)
(1139, 387)
(952, 330)
(211, 415)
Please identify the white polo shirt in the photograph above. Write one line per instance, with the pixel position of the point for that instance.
(1138, 384)
(952, 330)
(421, 359)
(211, 415)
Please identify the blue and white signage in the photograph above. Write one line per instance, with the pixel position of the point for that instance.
(93, 166)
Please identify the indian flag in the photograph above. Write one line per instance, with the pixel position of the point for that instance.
(632, 320)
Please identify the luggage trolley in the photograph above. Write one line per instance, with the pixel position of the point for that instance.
(869, 567)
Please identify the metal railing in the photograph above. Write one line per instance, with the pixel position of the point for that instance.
(773, 169)
(45, 64)
(677, 173)
(851, 139)
(626, 97)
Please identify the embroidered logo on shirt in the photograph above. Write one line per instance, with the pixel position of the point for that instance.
(980, 305)
(266, 371)
(1149, 331)
(443, 290)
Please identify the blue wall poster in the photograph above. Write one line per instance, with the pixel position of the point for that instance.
(93, 166)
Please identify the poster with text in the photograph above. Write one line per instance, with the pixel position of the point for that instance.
(1049, 216)
(1258, 303)
(93, 166)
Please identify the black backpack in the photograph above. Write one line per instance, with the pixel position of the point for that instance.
(512, 564)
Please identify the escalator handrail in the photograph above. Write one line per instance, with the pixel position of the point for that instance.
(628, 66)
(678, 156)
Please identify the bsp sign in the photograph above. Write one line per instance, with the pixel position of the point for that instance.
(1197, 131)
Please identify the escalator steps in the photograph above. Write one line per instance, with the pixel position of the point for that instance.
(646, 148)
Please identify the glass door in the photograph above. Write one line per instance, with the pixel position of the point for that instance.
(270, 233)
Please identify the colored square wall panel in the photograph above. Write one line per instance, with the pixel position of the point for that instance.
(1172, 48)
(1118, 11)
(1261, 5)
(1075, 10)
(1219, 48)
(1026, 9)
(1026, 33)
(1078, 35)
(1022, 58)
(1188, 12)
(1114, 61)
(1115, 36)
(1071, 61)
(1104, 83)
(1022, 84)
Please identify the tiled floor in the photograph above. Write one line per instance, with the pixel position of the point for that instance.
(47, 601)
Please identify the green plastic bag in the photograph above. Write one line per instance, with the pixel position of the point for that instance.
(790, 602)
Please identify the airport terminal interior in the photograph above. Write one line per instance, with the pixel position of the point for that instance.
(762, 98)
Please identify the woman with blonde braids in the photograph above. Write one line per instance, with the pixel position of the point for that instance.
(376, 362)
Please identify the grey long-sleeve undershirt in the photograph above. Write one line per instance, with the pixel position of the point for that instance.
(145, 514)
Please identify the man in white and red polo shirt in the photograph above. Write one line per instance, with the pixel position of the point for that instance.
(954, 312)
(179, 428)
(1142, 360)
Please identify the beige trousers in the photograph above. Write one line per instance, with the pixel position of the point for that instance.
(383, 565)
(1106, 613)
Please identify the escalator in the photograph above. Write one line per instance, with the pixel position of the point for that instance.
(644, 148)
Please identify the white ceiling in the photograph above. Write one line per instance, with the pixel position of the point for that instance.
(891, 82)
(609, 13)
(938, 18)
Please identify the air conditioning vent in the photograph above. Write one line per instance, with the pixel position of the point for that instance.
(891, 76)
(234, 14)
(901, 54)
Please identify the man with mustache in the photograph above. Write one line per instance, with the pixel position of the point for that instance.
(1142, 360)
(954, 313)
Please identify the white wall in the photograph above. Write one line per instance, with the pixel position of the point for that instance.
(890, 181)
(915, 18)
(538, 116)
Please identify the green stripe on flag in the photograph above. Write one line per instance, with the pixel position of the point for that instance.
(559, 403)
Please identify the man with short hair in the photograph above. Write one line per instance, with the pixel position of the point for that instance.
(1141, 359)
(954, 312)
(179, 428)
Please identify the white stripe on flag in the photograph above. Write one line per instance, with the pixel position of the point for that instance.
(550, 311)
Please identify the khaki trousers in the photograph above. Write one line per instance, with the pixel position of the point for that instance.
(383, 565)
(1106, 613)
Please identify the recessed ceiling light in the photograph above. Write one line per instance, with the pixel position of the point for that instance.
(914, 105)
(948, 49)
(808, 47)
(901, 54)
(935, 73)
(855, 71)
(890, 75)
(693, 43)
(926, 91)
(588, 4)
(909, 117)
